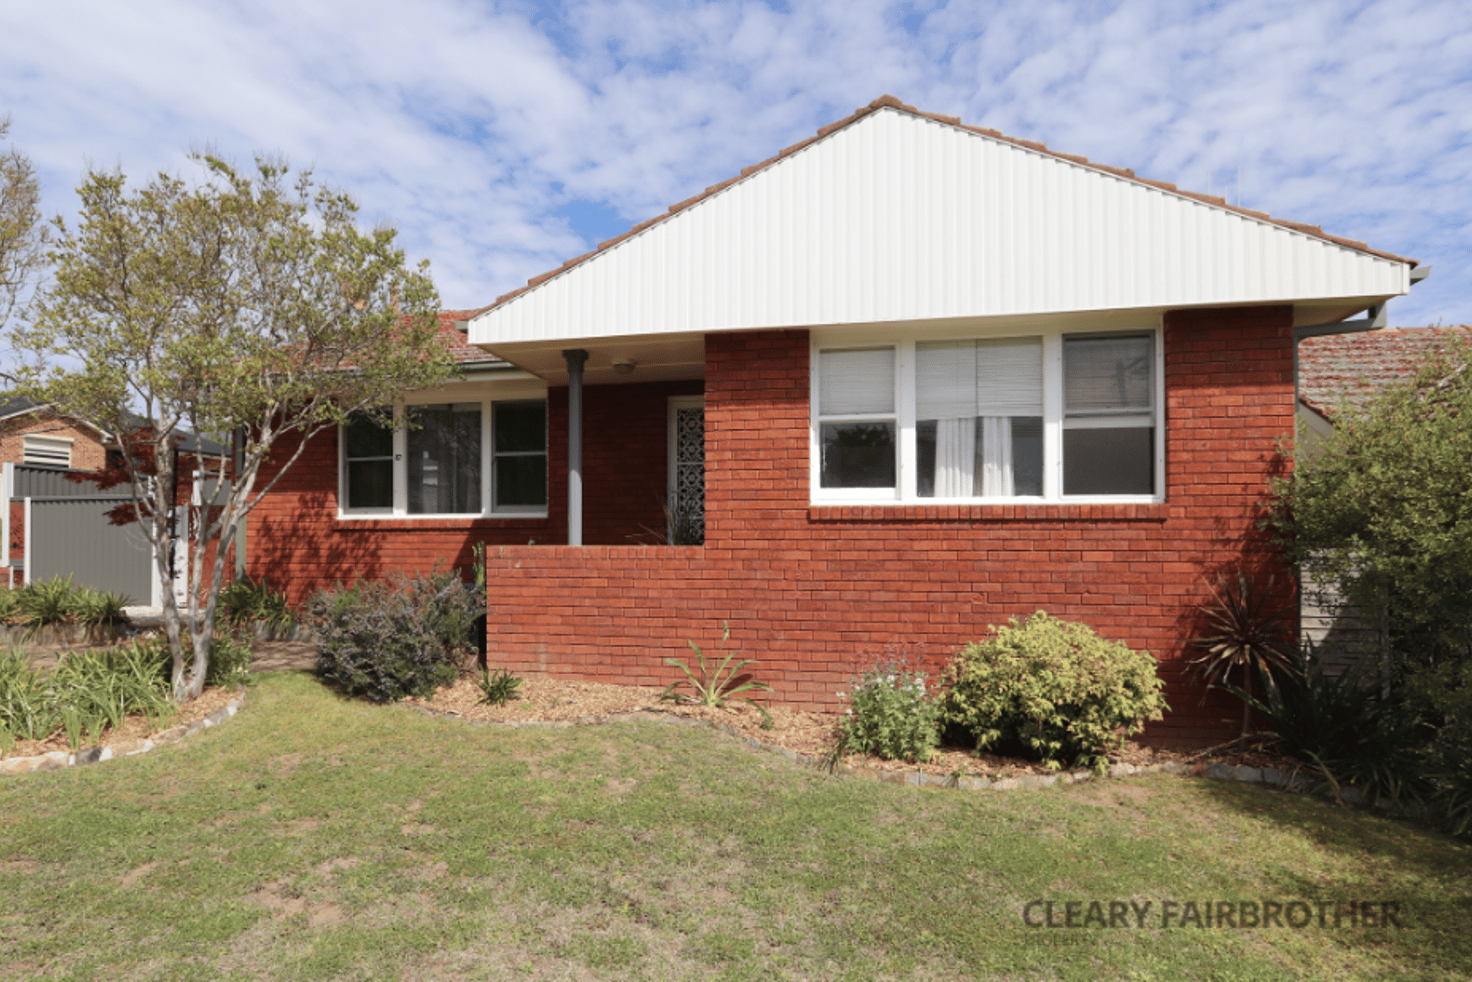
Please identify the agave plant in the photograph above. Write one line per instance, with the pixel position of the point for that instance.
(1247, 630)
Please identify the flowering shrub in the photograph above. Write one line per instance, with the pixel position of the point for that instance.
(387, 639)
(893, 714)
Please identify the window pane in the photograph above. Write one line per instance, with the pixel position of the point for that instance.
(1027, 455)
(521, 426)
(925, 457)
(990, 457)
(858, 455)
(365, 438)
(1107, 373)
(444, 459)
(520, 430)
(853, 382)
(1109, 461)
(370, 484)
(521, 480)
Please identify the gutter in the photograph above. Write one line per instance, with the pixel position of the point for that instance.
(1373, 320)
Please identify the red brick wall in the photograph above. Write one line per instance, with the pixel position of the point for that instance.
(815, 593)
(296, 540)
(88, 453)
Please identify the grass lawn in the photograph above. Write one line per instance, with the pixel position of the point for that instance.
(314, 838)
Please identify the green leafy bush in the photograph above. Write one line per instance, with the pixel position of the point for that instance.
(27, 710)
(893, 713)
(1053, 689)
(96, 689)
(100, 606)
(57, 600)
(87, 693)
(1345, 725)
(231, 652)
(48, 601)
(500, 688)
(247, 600)
(383, 640)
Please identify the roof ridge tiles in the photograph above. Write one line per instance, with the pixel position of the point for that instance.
(887, 101)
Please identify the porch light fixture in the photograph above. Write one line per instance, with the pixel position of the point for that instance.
(624, 366)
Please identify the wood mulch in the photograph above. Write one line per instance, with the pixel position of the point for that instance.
(548, 700)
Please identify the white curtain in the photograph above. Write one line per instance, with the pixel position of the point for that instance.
(960, 383)
(996, 454)
(955, 458)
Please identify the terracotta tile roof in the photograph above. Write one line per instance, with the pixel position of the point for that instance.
(890, 102)
(1348, 369)
(453, 338)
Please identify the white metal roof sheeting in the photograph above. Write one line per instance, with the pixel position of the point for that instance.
(900, 217)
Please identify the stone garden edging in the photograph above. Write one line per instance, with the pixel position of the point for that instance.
(57, 759)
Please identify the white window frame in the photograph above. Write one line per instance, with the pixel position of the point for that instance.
(489, 470)
(48, 455)
(487, 397)
(1052, 332)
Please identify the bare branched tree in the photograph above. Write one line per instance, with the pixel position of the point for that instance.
(22, 233)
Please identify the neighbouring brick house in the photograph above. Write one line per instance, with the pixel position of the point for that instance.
(916, 378)
(38, 445)
(31, 434)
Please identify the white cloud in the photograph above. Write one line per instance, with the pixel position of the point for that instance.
(467, 124)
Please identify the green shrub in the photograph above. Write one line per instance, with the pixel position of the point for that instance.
(57, 600)
(247, 600)
(231, 651)
(98, 688)
(1054, 689)
(500, 688)
(383, 640)
(892, 714)
(48, 601)
(100, 606)
(27, 709)
(1345, 725)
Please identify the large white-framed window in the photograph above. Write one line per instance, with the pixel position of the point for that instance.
(467, 453)
(1010, 414)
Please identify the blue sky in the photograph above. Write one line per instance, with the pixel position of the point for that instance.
(504, 138)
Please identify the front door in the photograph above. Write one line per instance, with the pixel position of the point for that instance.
(685, 497)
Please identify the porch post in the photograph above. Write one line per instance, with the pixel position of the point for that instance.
(575, 358)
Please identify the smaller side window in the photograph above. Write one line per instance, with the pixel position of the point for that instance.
(519, 457)
(368, 464)
(856, 418)
(1109, 415)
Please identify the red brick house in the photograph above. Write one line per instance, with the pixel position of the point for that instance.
(916, 377)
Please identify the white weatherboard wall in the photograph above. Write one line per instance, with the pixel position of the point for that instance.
(897, 217)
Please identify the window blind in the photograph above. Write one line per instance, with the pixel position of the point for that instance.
(852, 383)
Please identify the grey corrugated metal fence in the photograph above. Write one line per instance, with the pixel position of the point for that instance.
(72, 537)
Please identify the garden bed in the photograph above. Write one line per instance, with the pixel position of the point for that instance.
(547, 700)
(134, 728)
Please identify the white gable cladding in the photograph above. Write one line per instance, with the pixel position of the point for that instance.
(897, 217)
